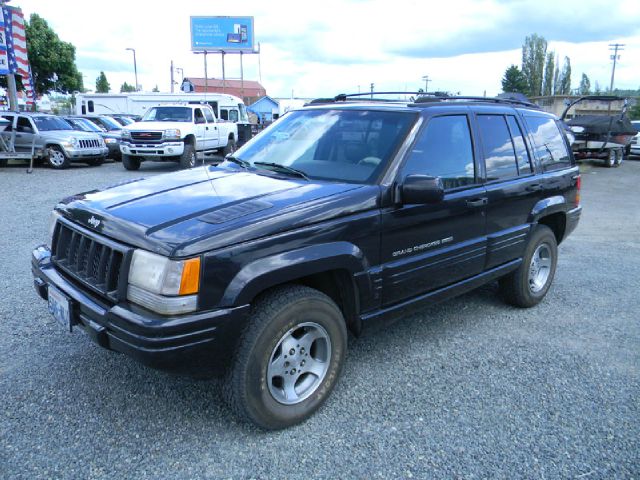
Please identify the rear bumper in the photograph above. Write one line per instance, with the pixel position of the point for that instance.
(573, 217)
(200, 343)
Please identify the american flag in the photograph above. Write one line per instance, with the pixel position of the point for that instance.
(16, 49)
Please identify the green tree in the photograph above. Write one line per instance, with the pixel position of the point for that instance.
(549, 74)
(534, 52)
(585, 85)
(48, 55)
(514, 81)
(125, 87)
(102, 85)
(565, 78)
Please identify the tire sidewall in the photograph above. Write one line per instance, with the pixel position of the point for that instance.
(130, 163)
(263, 408)
(189, 158)
(58, 151)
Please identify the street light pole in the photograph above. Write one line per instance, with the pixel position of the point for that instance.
(135, 66)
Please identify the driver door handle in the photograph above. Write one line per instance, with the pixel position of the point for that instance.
(477, 202)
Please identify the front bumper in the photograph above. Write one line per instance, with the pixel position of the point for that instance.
(200, 343)
(79, 154)
(166, 149)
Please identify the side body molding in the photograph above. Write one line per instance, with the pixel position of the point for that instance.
(267, 272)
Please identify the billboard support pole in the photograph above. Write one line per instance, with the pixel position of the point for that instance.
(241, 76)
(206, 75)
(223, 75)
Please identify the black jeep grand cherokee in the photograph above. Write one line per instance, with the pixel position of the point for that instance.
(339, 214)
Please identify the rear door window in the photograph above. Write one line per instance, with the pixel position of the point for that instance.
(499, 153)
(550, 148)
(522, 154)
(209, 115)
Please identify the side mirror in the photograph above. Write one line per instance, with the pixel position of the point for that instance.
(418, 189)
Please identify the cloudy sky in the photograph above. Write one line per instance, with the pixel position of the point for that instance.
(322, 48)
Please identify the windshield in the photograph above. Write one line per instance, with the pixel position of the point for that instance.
(341, 145)
(84, 125)
(46, 123)
(109, 123)
(168, 114)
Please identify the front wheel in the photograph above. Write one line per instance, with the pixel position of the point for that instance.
(130, 163)
(57, 158)
(619, 156)
(528, 285)
(288, 359)
(610, 161)
(188, 158)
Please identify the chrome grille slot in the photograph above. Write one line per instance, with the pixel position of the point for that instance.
(86, 259)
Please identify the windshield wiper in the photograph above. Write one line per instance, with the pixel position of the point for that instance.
(238, 161)
(284, 168)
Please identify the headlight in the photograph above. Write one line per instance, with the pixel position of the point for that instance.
(53, 219)
(125, 133)
(73, 141)
(162, 285)
(109, 141)
(172, 134)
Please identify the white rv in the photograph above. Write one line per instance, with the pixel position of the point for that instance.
(225, 107)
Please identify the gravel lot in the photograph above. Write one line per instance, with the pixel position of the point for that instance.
(470, 388)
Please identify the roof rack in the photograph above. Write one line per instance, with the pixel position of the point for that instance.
(420, 98)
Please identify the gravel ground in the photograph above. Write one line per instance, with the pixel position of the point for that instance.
(470, 388)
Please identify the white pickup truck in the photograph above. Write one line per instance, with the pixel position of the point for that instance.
(176, 133)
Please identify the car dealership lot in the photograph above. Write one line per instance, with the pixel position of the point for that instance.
(468, 388)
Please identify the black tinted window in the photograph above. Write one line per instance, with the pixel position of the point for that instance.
(550, 148)
(444, 150)
(524, 163)
(499, 156)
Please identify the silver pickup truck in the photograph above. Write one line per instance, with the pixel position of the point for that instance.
(176, 133)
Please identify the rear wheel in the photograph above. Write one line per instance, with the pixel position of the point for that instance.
(130, 163)
(229, 148)
(57, 158)
(288, 359)
(610, 161)
(528, 285)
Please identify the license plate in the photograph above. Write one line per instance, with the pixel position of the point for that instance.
(59, 307)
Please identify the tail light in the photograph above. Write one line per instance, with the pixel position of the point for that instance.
(578, 186)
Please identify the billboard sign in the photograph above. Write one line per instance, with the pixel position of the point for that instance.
(222, 34)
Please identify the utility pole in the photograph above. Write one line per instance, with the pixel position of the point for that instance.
(426, 83)
(615, 57)
(172, 82)
(372, 85)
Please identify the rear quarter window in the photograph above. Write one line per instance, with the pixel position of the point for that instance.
(549, 146)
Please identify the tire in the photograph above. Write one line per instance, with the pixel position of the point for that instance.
(619, 156)
(95, 162)
(188, 159)
(4, 162)
(229, 148)
(264, 384)
(610, 161)
(527, 286)
(57, 158)
(130, 163)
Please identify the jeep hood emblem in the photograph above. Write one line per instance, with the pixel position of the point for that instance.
(94, 222)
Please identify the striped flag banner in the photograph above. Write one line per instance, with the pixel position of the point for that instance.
(16, 49)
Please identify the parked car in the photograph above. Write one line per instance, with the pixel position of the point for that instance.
(635, 141)
(111, 139)
(340, 215)
(124, 120)
(103, 121)
(48, 132)
(176, 133)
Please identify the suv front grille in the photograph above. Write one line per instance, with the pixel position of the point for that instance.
(88, 260)
(90, 143)
(146, 136)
